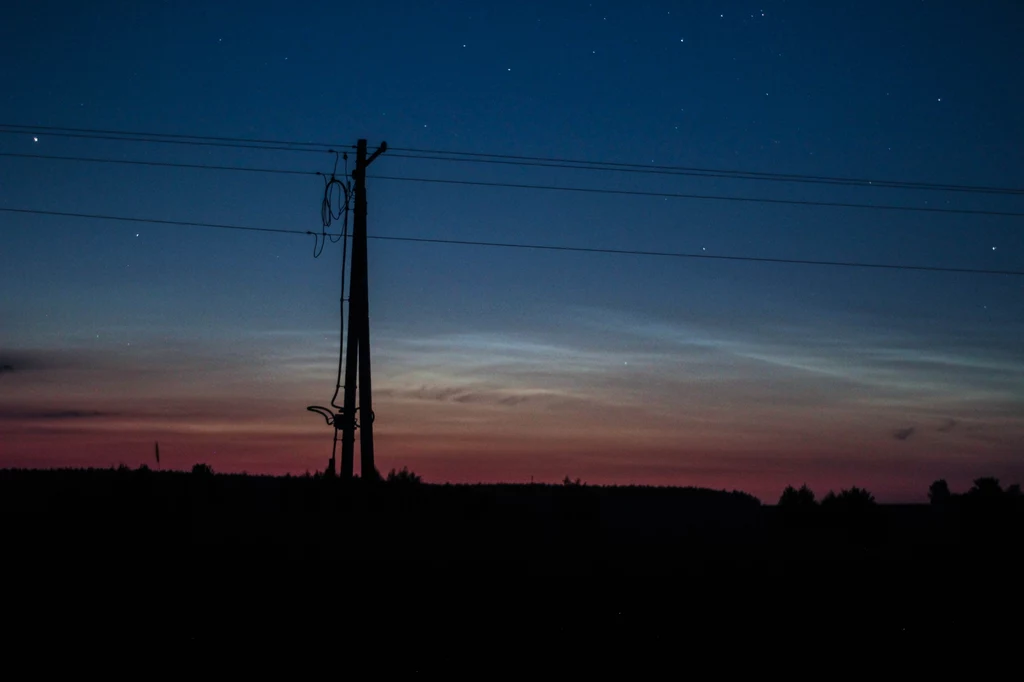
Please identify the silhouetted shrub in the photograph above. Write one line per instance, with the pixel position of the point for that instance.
(403, 477)
(569, 482)
(797, 499)
(986, 488)
(987, 498)
(938, 492)
(202, 470)
(850, 500)
(854, 512)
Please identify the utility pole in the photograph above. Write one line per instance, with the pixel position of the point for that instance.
(357, 359)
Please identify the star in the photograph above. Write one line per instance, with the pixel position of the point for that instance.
(35, 139)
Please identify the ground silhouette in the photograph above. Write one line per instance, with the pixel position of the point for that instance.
(400, 554)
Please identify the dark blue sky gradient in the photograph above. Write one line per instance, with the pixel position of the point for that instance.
(495, 364)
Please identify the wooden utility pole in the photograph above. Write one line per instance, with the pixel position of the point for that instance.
(357, 358)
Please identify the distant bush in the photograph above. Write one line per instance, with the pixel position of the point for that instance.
(987, 497)
(851, 499)
(938, 492)
(795, 499)
(202, 470)
(403, 477)
(986, 488)
(569, 482)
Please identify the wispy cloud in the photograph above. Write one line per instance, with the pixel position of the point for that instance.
(890, 362)
(479, 395)
(904, 434)
(11, 414)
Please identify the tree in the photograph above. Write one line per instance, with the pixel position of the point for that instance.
(938, 492)
(851, 499)
(403, 477)
(794, 499)
(986, 488)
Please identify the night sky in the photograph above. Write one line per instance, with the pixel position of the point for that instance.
(495, 364)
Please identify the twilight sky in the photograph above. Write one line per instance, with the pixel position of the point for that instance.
(499, 364)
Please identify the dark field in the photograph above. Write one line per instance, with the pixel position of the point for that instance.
(424, 564)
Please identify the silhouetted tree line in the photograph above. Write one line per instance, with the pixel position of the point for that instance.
(986, 491)
(399, 517)
(985, 512)
(802, 499)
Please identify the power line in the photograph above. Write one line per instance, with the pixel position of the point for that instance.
(713, 197)
(703, 173)
(158, 140)
(595, 190)
(752, 174)
(673, 254)
(172, 136)
(163, 164)
(542, 247)
(155, 221)
(293, 145)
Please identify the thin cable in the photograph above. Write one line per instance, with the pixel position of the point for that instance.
(796, 202)
(704, 256)
(713, 197)
(741, 173)
(729, 175)
(341, 324)
(155, 221)
(327, 214)
(164, 164)
(290, 145)
(194, 143)
(543, 247)
(347, 188)
(319, 146)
